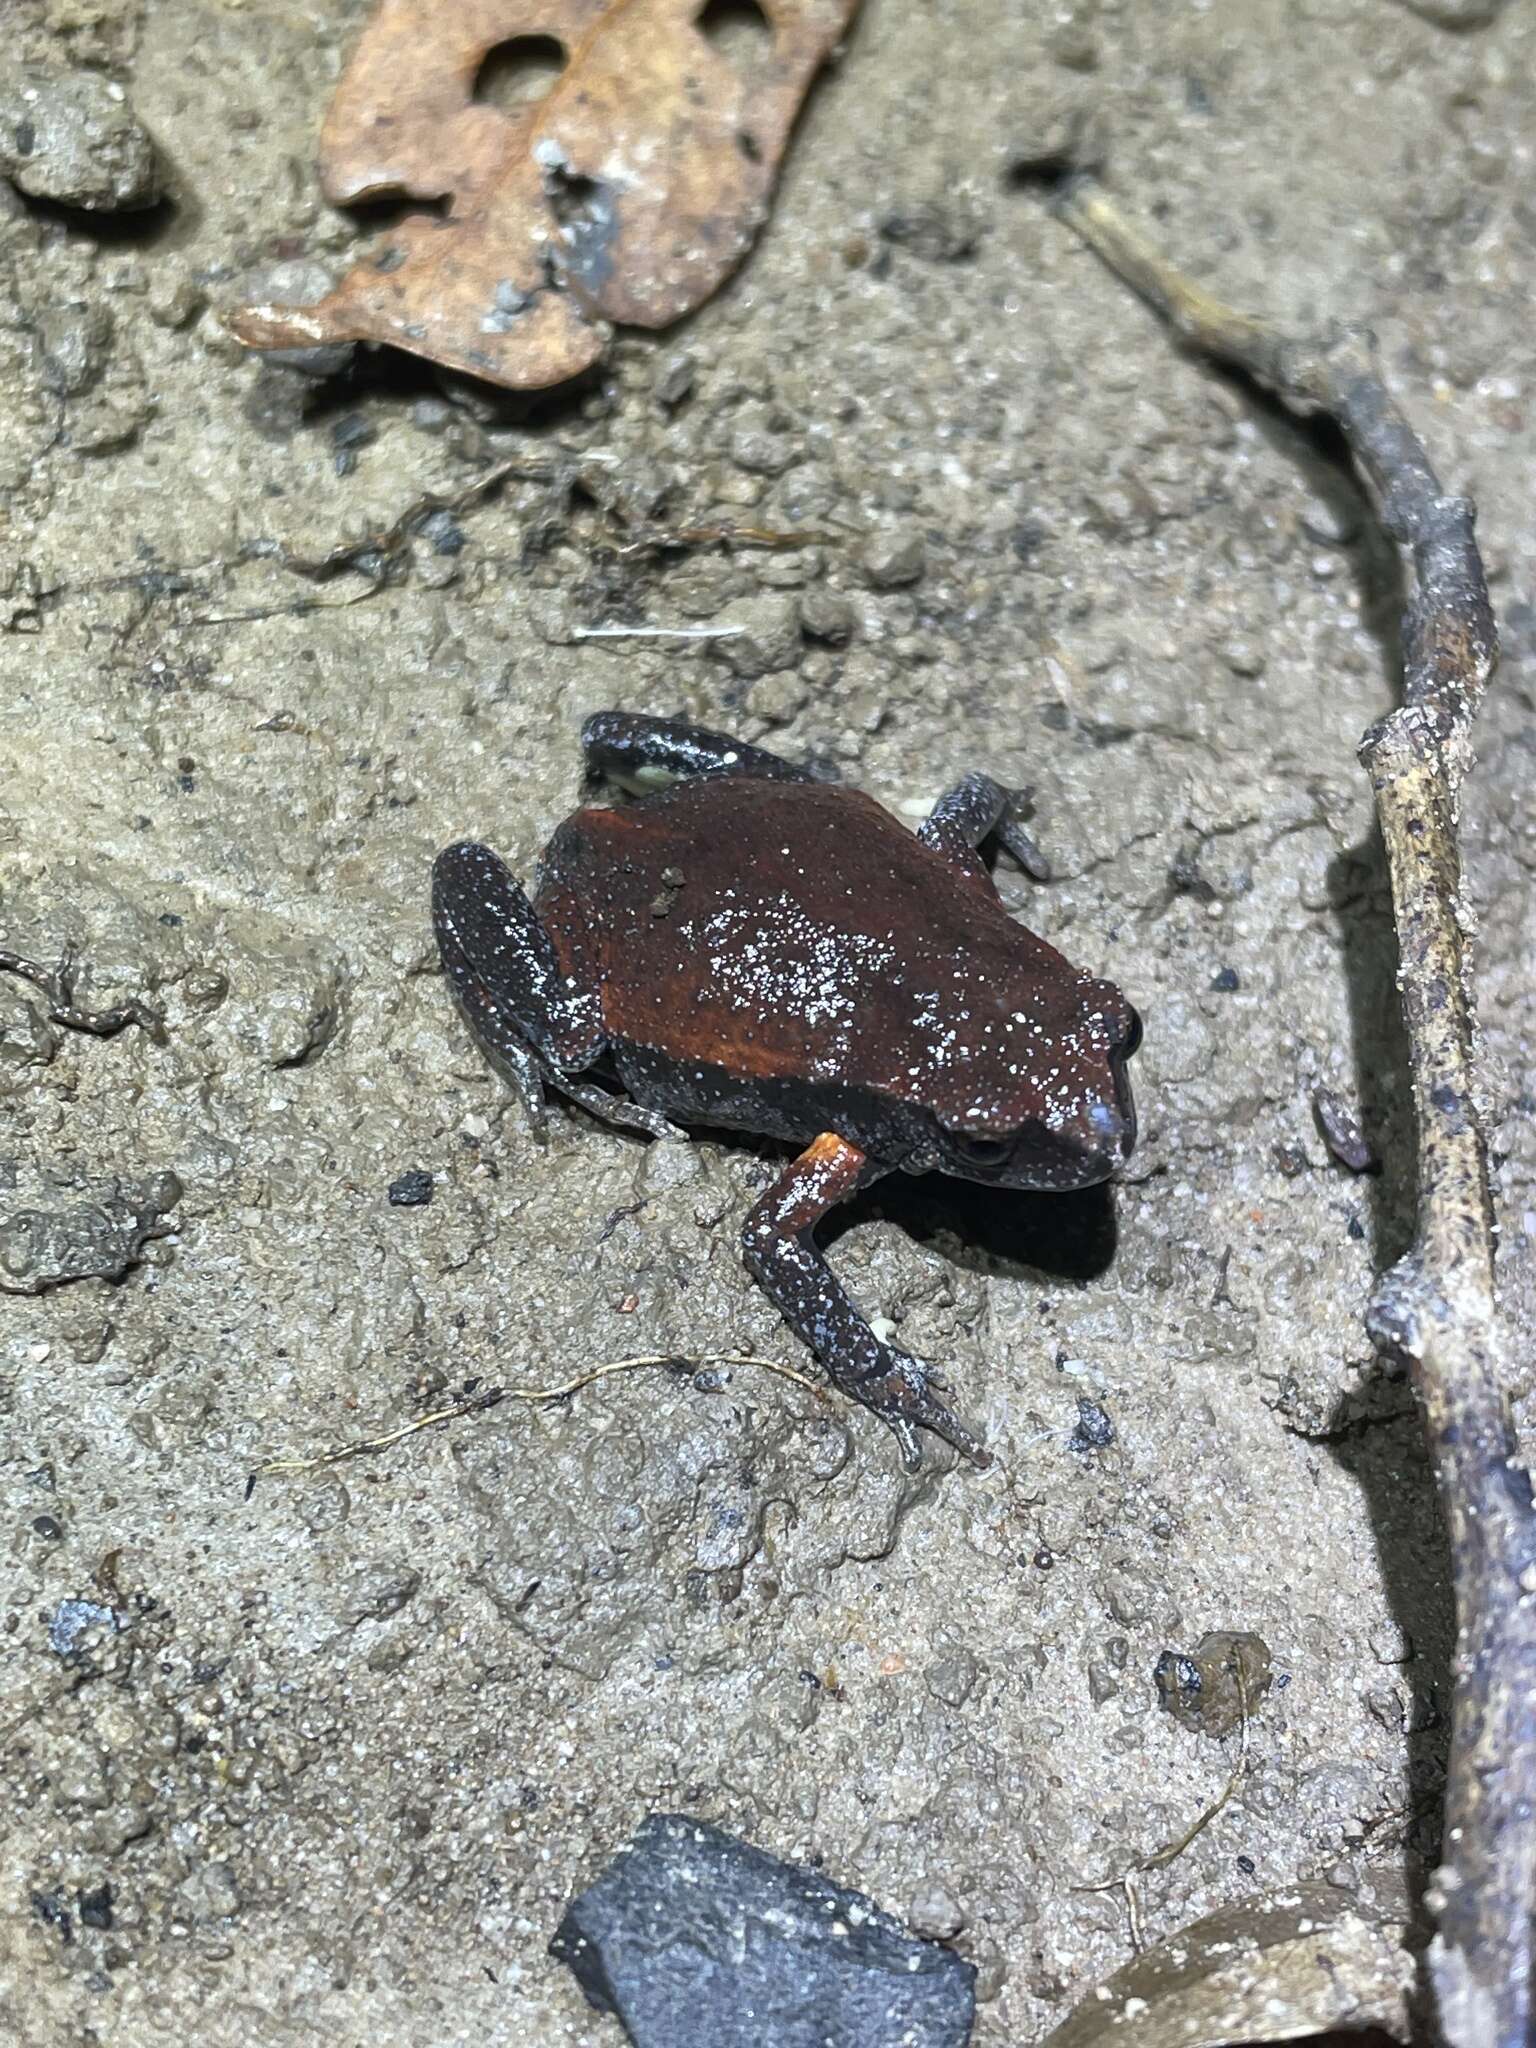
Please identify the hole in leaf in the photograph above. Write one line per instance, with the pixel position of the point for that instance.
(740, 31)
(518, 72)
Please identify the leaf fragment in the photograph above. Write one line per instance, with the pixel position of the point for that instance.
(627, 193)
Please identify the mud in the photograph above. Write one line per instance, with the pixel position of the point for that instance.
(332, 1758)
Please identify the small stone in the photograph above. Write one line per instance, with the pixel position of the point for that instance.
(210, 1892)
(1227, 1675)
(759, 448)
(768, 639)
(934, 1914)
(1340, 1130)
(691, 1935)
(675, 381)
(73, 1620)
(1094, 1432)
(96, 1908)
(1102, 1682)
(953, 1679)
(1074, 49)
(1128, 1602)
(1243, 658)
(827, 615)
(175, 301)
(1067, 132)
(1225, 980)
(76, 346)
(894, 559)
(413, 1190)
(1328, 525)
(27, 1038)
(943, 229)
(432, 415)
(71, 136)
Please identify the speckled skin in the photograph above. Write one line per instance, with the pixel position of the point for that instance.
(756, 950)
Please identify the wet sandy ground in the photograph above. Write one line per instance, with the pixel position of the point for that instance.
(331, 1758)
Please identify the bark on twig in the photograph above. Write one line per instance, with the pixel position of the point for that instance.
(1436, 1307)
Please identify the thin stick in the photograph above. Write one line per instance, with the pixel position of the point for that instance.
(58, 985)
(1172, 1851)
(1436, 1307)
(476, 1404)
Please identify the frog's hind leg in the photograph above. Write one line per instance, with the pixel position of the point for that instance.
(522, 1007)
(644, 754)
(976, 808)
(506, 975)
(779, 1245)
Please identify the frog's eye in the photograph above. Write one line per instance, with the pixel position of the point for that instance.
(983, 1151)
(1131, 1043)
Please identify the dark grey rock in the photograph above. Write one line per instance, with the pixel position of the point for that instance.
(691, 1936)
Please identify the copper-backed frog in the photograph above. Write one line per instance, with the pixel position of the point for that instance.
(753, 948)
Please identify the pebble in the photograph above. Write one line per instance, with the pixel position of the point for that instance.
(1243, 657)
(412, 1190)
(72, 137)
(828, 615)
(769, 636)
(175, 301)
(953, 1679)
(935, 1914)
(894, 558)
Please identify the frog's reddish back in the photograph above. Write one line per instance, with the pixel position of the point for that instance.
(784, 929)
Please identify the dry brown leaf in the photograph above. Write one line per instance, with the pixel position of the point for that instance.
(628, 193)
(1289, 1967)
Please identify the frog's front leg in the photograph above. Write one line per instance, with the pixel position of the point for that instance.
(532, 1018)
(643, 754)
(778, 1241)
(969, 813)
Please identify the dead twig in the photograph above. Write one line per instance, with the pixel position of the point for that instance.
(1171, 1851)
(492, 1397)
(58, 985)
(375, 553)
(1436, 1307)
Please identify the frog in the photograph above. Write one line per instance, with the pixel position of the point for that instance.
(742, 944)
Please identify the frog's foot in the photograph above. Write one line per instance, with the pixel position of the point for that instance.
(978, 808)
(779, 1246)
(901, 1392)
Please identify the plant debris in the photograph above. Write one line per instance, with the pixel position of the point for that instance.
(477, 1401)
(58, 985)
(626, 194)
(1436, 1308)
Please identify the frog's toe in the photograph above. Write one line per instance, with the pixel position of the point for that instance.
(901, 1392)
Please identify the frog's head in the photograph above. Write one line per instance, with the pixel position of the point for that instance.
(1039, 1097)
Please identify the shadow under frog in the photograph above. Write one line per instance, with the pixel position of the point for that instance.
(750, 949)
